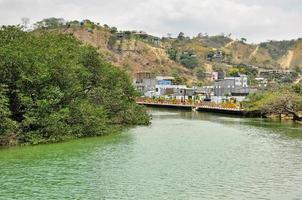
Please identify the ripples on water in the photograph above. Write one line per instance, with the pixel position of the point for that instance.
(182, 155)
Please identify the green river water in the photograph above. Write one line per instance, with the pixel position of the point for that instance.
(182, 155)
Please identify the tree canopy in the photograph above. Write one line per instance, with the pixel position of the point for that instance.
(53, 87)
(272, 103)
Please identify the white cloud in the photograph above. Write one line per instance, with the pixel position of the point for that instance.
(257, 20)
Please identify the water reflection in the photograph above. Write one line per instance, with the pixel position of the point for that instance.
(286, 128)
(77, 147)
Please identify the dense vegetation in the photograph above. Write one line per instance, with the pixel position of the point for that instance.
(189, 60)
(52, 87)
(280, 101)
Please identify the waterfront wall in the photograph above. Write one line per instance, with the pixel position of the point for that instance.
(231, 111)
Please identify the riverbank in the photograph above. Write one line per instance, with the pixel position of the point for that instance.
(230, 108)
(202, 108)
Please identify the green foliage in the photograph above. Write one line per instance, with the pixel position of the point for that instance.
(263, 45)
(7, 126)
(278, 49)
(189, 59)
(200, 73)
(88, 24)
(298, 70)
(243, 69)
(53, 88)
(74, 23)
(172, 53)
(236, 71)
(88, 119)
(181, 36)
(272, 103)
(178, 80)
(50, 23)
(284, 78)
(253, 103)
(113, 30)
(127, 34)
(297, 88)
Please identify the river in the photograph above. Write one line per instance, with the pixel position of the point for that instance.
(182, 155)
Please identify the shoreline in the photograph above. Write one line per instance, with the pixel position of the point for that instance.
(209, 109)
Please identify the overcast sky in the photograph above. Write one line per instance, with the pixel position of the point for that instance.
(257, 20)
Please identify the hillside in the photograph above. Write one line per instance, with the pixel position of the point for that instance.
(191, 59)
(131, 54)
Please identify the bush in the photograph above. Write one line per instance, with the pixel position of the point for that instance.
(172, 53)
(189, 60)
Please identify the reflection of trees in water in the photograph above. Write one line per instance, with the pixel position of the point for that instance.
(77, 148)
(287, 129)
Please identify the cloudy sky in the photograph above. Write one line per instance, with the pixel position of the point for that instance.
(257, 20)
